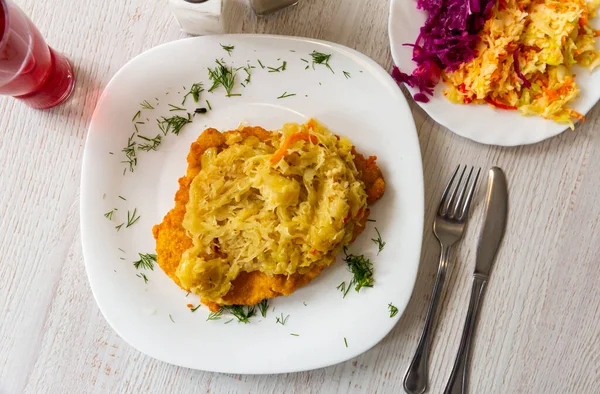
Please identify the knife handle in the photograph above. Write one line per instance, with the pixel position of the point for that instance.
(457, 384)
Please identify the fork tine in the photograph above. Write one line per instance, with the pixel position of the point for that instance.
(467, 205)
(446, 190)
(452, 200)
(460, 201)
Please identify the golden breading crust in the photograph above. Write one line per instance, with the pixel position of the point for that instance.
(248, 288)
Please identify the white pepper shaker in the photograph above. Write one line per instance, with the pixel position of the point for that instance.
(263, 7)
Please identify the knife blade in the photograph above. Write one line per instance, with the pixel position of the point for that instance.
(494, 222)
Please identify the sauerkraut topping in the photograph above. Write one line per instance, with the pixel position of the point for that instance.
(279, 206)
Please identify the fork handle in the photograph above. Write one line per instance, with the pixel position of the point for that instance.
(415, 380)
(457, 384)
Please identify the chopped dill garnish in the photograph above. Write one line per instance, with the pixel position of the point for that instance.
(109, 214)
(347, 74)
(346, 341)
(371, 220)
(224, 76)
(195, 91)
(188, 293)
(208, 104)
(248, 70)
(110, 153)
(119, 226)
(143, 276)
(173, 124)
(146, 261)
(294, 335)
(215, 315)
(304, 302)
(304, 60)
(121, 258)
(307, 67)
(282, 320)
(362, 269)
(260, 63)
(241, 312)
(378, 241)
(263, 306)
(146, 105)
(195, 309)
(103, 196)
(152, 144)
(122, 198)
(291, 50)
(278, 69)
(140, 123)
(228, 48)
(393, 310)
(285, 95)
(344, 289)
(121, 250)
(130, 153)
(175, 108)
(321, 58)
(228, 321)
(171, 317)
(131, 218)
(137, 115)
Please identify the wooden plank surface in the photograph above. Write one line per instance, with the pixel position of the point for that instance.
(540, 326)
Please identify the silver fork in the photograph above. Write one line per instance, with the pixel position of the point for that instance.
(448, 226)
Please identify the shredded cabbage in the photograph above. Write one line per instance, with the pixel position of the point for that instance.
(247, 212)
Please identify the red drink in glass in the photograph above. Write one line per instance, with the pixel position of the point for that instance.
(30, 70)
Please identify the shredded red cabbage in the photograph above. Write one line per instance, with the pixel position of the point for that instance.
(526, 83)
(447, 39)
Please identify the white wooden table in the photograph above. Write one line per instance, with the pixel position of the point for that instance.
(540, 326)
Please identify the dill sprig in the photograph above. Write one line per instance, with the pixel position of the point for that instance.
(224, 76)
(195, 91)
(347, 74)
(146, 105)
(119, 226)
(195, 309)
(362, 269)
(137, 115)
(174, 124)
(263, 306)
(215, 315)
(378, 241)
(278, 69)
(122, 198)
(208, 105)
(132, 218)
(152, 144)
(282, 320)
(228, 48)
(109, 214)
(130, 153)
(260, 64)
(175, 108)
(171, 317)
(241, 312)
(321, 58)
(143, 276)
(248, 70)
(294, 335)
(346, 341)
(285, 95)
(146, 261)
(393, 310)
(344, 289)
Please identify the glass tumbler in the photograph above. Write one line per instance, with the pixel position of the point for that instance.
(30, 70)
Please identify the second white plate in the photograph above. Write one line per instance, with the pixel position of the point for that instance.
(480, 123)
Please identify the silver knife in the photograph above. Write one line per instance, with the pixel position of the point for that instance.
(494, 223)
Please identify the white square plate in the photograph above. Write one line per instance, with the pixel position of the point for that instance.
(365, 105)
